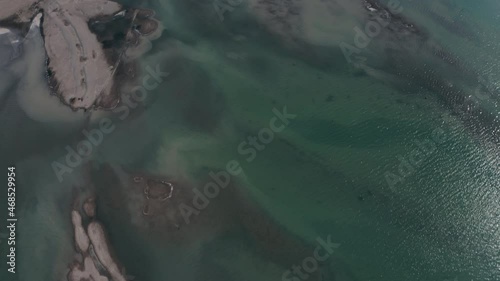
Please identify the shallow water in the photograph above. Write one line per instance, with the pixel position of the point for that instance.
(325, 174)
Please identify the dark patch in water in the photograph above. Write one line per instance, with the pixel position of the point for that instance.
(111, 32)
(116, 33)
(13, 22)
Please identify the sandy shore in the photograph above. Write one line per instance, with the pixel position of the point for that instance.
(94, 249)
(77, 61)
(98, 238)
(86, 272)
(81, 237)
(79, 70)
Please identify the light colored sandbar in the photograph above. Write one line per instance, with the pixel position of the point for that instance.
(81, 238)
(98, 238)
(94, 248)
(88, 272)
(79, 70)
(77, 60)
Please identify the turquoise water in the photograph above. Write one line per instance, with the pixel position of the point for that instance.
(333, 170)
